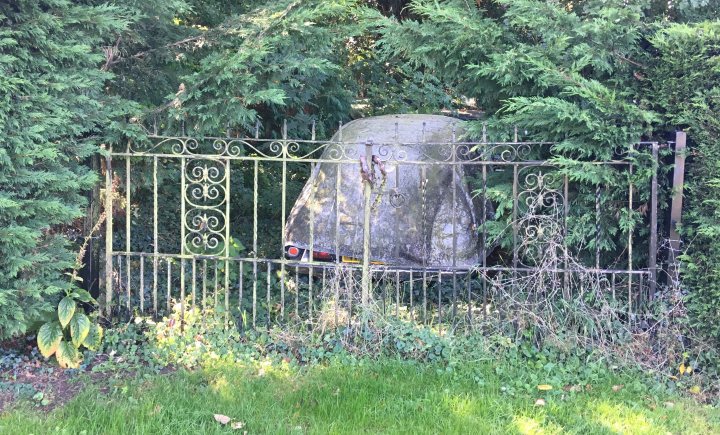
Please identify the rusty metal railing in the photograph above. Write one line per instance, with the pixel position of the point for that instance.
(204, 222)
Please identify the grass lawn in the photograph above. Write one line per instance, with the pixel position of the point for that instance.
(368, 397)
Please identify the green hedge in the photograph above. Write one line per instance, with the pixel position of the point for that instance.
(686, 85)
(51, 105)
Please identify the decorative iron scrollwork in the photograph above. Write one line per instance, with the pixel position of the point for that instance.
(206, 195)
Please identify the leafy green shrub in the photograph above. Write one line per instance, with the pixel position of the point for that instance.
(51, 110)
(686, 85)
(71, 330)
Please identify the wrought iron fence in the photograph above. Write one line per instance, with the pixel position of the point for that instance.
(280, 230)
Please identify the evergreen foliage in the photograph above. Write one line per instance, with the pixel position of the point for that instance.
(686, 85)
(593, 76)
(51, 113)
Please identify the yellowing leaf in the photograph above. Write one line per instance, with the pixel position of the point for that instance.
(49, 337)
(681, 369)
(67, 355)
(222, 419)
(66, 310)
(94, 337)
(79, 328)
(544, 387)
(695, 389)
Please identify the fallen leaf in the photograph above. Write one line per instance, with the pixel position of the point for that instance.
(588, 387)
(222, 419)
(544, 387)
(681, 369)
(695, 389)
(669, 404)
(237, 425)
(540, 402)
(617, 388)
(572, 388)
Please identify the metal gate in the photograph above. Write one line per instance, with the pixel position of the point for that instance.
(202, 222)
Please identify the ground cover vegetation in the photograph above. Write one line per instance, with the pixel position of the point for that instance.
(393, 377)
(592, 76)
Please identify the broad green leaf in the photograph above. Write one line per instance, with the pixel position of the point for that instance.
(79, 328)
(67, 355)
(94, 337)
(66, 310)
(82, 295)
(49, 337)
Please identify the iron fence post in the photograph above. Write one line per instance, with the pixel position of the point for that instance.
(367, 191)
(108, 231)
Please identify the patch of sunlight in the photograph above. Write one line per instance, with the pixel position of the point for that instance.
(621, 419)
(220, 385)
(531, 426)
(461, 406)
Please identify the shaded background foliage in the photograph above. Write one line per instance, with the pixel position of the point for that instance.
(593, 76)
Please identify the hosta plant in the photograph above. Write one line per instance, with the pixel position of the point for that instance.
(73, 329)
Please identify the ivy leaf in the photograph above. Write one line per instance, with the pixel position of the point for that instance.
(66, 310)
(49, 337)
(67, 355)
(79, 328)
(94, 337)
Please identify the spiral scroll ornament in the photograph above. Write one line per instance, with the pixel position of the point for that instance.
(205, 197)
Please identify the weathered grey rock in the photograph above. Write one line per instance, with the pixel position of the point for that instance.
(412, 221)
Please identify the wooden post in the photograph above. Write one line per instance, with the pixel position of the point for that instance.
(676, 207)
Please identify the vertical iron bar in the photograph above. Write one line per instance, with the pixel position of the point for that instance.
(127, 228)
(255, 239)
(514, 218)
(267, 311)
(440, 301)
(297, 291)
(412, 309)
(652, 258)
(194, 282)
(367, 192)
(119, 281)
(183, 164)
(630, 238)
(216, 278)
(454, 224)
(282, 219)
(142, 284)
(227, 242)
(397, 294)
(108, 232)
(204, 284)
(156, 248)
(240, 290)
(169, 283)
(484, 220)
(424, 279)
(566, 256)
(254, 295)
